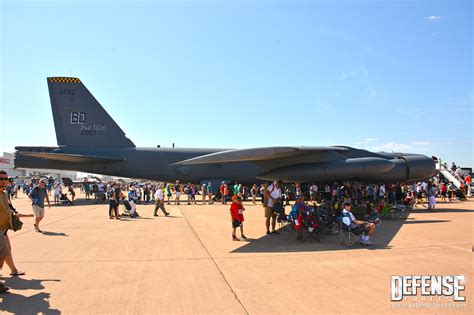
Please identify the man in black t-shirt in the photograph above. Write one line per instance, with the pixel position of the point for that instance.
(114, 202)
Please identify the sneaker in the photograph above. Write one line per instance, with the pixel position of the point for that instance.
(235, 238)
(268, 233)
(367, 242)
(244, 237)
(167, 214)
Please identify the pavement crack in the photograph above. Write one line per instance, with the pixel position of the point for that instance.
(214, 261)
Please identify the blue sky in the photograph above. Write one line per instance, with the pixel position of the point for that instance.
(380, 75)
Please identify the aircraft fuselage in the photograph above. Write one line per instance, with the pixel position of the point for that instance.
(157, 164)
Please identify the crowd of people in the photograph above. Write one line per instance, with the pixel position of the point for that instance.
(337, 199)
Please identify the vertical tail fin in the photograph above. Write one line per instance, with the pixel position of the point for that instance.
(79, 119)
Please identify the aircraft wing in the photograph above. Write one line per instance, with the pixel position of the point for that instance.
(73, 158)
(259, 155)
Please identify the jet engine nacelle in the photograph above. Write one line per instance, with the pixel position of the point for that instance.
(419, 167)
(343, 169)
(369, 169)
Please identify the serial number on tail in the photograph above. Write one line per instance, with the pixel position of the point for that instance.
(92, 130)
(88, 132)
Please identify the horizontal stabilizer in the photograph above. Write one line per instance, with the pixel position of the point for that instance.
(72, 158)
(256, 154)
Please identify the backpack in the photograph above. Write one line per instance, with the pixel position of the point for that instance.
(34, 194)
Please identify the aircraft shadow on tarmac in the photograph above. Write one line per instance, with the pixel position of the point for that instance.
(19, 304)
(49, 233)
(444, 211)
(287, 242)
(426, 221)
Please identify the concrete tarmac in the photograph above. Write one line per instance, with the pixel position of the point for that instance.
(188, 264)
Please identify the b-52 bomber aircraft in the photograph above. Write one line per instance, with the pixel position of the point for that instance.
(90, 141)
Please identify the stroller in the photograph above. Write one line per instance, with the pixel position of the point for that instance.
(130, 210)
(65, 201)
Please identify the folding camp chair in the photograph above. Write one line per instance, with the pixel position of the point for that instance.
(285, 223)
(348, 236)
(310, 227)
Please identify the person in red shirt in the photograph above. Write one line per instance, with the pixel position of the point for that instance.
(237, 217)
(222, 188)
(444, 192)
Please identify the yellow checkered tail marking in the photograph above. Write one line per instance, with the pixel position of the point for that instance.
(64, 80)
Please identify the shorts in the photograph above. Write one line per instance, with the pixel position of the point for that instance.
(178, 194)
(38, 211)
(269, 212)
(4, 251)
(359, 229)
(236, 223)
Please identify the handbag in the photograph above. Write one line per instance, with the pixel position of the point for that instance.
(16, 222)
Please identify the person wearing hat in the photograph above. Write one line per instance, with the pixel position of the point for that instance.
(132, 195)
(358, 226)
(37, 196)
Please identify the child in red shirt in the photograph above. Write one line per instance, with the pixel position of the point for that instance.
(237, 217)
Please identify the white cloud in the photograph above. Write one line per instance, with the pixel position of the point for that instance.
(394, 147)
(371, 139)
(357, 84)
(433, 18)
(367, 141)
(348, 75)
